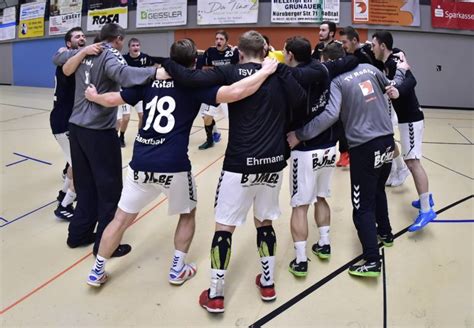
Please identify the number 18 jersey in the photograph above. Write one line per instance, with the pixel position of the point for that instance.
(169, 110)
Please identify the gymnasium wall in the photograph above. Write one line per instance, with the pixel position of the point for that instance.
(442, 60)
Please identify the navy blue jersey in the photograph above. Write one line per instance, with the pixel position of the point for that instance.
(214, 57)
(406, 106)
(63, 101)
(143, 60)
(316, 78)
(168, 114)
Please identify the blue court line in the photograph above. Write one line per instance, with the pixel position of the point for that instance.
(452, 221)
(33, 159)
(21, 160)
(3, 219)
(24, 215)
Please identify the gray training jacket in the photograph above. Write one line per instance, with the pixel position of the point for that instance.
(108, 72)
(358, 97)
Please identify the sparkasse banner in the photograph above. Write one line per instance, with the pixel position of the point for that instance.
(157, 13)
(452, 14)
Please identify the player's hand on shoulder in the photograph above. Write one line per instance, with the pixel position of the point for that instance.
(269, 65)
(292, 139)
(93, 49)
(402, 63)
(162, 74)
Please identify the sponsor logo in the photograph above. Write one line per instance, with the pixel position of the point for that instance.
(385, 157)
(366, 88)
(261, 178)
(251, 161)
(162, 84)
(361, 10)
(105, 19)
(439, 12)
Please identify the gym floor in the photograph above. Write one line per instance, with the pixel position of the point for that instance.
(427, 279)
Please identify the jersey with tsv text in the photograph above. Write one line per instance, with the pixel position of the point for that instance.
(63, 101)
(142, 60)
(168, 114)
(258, 123)
(214, 57)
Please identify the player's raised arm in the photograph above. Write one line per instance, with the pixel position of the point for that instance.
(248, 86)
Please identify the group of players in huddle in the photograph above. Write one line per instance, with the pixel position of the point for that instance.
(277, 113)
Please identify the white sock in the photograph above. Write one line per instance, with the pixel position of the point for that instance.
(214, 129)
(217, 283)
(300, 248)
(400, 163)
(268, 270)
(66, 184)
(323, 236)
(178, 260)
(99, 265)
(69, 198)
(425, 202)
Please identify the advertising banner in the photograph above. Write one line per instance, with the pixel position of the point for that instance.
(305, 11)
(386, 12)
(218, 12)
(102, 12)
(7, 23)
(31, 20)
(64, 15)
(158, 13)
(453, 14)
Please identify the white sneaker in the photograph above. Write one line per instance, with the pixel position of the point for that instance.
(393, 172)
(96, 280)
(400, 177)
(187, 272)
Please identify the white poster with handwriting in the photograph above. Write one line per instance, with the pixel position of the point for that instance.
(219, 12)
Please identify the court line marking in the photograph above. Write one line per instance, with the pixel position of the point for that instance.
(452, 221)
(60, 274)
(447, 168)
(285, 306)
(21, 117)
(17, 162)
(24, 215)
(384, 279)
(467, 139)
(33, 159)
(34, 108)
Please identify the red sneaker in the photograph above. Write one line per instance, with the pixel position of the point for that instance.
(343, 160)
(213, 305)
(267, 293)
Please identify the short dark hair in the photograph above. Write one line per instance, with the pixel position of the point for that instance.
(111, 31)
(133, 40)
(300, 47)
(224, 33)
(97, 38)
(385, 37)
(350, 32)
(184, 52)
(333, 51)
(252, 44)
(68, 36)
(331, 25)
